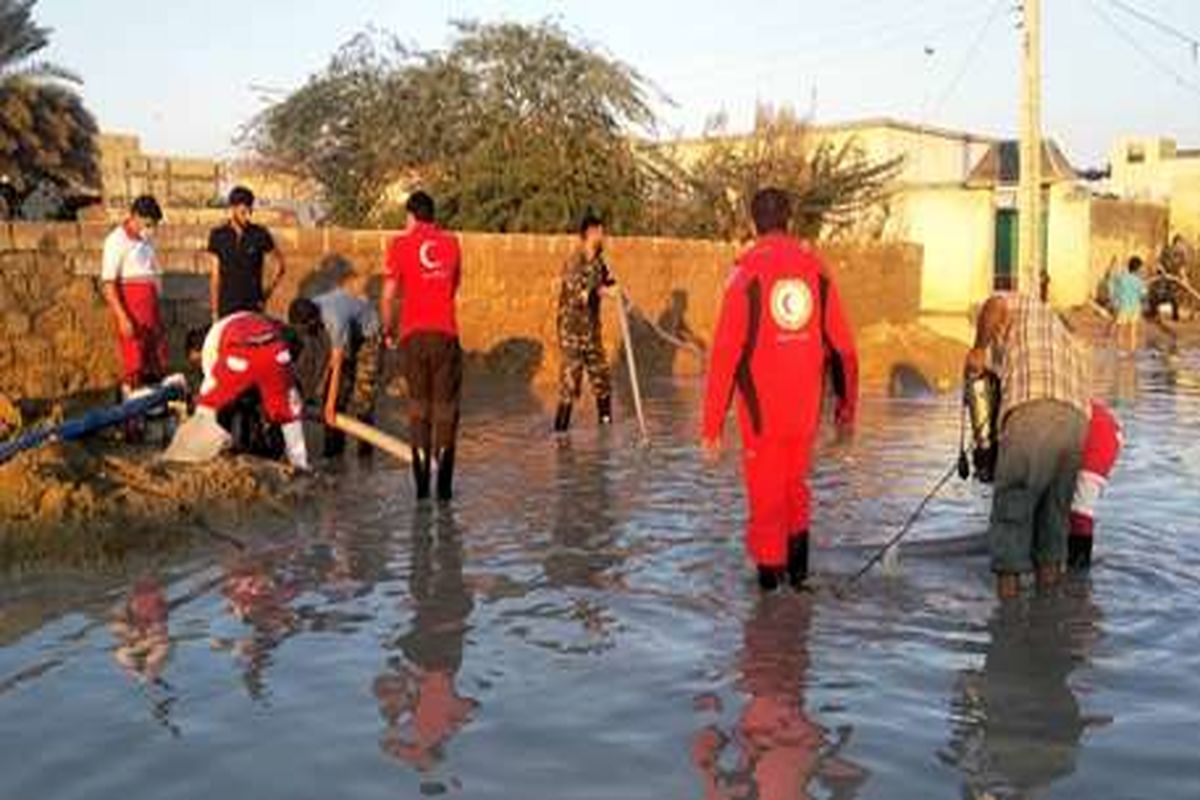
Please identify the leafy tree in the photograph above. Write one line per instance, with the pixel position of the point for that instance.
(46, 134)
(834, 186)
(513, 127)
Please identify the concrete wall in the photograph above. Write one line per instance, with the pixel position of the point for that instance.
(1068, 245)
(1122, 228)
(955, 227)
(56, 340)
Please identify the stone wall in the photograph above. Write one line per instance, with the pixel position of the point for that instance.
(1123, 228)
(56, 339)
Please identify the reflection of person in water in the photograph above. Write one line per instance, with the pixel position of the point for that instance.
(260, 599)
(584, 548)
(1020, 724)
(781, 751)
(417, 696)
(140, 630)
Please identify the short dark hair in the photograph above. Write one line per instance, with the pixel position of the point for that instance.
(241, 196)
(590, 220)
(195, 340)
(1135, 264)
(420, 205)
(304, 314)
(146, 207)
(771, 210)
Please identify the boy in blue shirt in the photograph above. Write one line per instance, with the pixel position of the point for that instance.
(1128, 293)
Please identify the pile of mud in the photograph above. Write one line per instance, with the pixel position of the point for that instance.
(908, 359)
(82, 502)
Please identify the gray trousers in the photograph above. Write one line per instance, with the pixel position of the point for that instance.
(1041, 449)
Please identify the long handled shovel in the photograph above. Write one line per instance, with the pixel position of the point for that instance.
(632, 362)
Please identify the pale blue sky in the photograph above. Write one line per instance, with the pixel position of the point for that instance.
(179, 72)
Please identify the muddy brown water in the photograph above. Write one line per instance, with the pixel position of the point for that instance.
(581, 624)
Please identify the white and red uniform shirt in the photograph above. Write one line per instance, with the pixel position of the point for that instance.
(128, 258)
(1101, 447)
(244, 351)
(426, 264)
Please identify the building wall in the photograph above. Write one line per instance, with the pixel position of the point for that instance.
(1122, 228)
(1165, 174)
(1069, 254)
(56, 340)
(127, 172)
(955, 228)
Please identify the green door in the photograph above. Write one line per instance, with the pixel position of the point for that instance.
(1004, 267)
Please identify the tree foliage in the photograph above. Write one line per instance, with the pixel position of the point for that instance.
(46, 133)
(833, 185)
(514, 127)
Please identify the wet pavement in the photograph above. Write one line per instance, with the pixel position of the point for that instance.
(581, 624)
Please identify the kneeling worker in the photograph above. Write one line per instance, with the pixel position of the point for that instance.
(780, 320)
(243, 352)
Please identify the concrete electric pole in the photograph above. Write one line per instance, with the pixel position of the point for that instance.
(1029, 203)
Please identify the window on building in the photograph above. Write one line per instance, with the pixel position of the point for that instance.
(1136, 154)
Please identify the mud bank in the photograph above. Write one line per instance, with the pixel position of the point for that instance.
(80, 503)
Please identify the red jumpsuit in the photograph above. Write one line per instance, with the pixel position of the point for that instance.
(1101, 447)
(244, 351)
(781, 321)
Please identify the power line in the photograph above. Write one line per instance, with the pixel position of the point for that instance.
(1145, 52)
(1159, 25)
(972, 52)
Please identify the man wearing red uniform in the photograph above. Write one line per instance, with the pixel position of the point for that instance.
(1101, 446)
(132, 285)
(423, 271)
(781, 321)
(246, 351)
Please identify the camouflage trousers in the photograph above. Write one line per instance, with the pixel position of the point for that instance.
(583, 354)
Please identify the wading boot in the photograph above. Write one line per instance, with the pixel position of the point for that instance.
(421, 469)
(562, 418)
(1079, 553)
(769, 578)
(604, 410)
(797, 566)
(445, 475)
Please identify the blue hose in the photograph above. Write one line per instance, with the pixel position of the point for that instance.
(94, 420)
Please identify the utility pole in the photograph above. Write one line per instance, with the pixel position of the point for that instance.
(1029, 201)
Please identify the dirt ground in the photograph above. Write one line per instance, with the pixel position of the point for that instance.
(77, 503)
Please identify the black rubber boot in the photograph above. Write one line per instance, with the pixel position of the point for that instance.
(562, 418)
(769, 578)
(604, 410)
(797, 566)
(445, 475)
(421, 472)
(1079, 552)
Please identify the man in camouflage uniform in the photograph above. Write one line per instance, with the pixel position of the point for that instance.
(585, 276)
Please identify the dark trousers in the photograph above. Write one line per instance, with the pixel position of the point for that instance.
(433, 364)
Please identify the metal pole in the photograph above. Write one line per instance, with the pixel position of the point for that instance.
(1030, 190)
(632, 362)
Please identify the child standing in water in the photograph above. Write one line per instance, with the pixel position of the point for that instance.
(1128, 293)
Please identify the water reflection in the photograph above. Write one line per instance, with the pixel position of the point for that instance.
(259, 593)
(1018, 723)
(419, 701)
(584, 550)
(775, 750)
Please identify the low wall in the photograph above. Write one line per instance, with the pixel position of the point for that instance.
(56, 339)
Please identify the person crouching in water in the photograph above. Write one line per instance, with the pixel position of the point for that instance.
(355, 334)
(245, 352)
(1101, 448)
(1044, 409)
(780, 317)
(584, 277)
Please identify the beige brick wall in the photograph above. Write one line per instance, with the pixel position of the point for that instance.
(56, 339)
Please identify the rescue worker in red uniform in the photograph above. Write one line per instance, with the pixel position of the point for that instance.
(248, 351)
(781, 321)
(1101, 447)
(423, 270)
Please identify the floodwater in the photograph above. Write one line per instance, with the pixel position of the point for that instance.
(582, 625)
